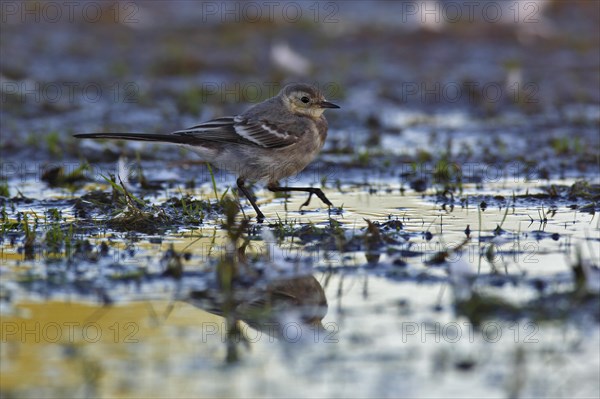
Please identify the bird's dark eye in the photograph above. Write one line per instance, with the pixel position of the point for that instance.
(305, 100)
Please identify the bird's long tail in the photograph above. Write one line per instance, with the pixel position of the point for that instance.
(164, 138)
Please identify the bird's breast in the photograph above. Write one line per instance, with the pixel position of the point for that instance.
(321, 127)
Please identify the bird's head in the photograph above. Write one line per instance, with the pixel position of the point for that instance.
(305, 99)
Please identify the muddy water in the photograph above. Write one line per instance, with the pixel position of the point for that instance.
(460, 260)
(390, 326)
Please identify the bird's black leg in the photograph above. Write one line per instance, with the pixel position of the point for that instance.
(259, 215)
(307, 201)
(309, 190)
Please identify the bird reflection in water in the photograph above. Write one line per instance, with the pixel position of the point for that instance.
(283, 308)
(270, 298)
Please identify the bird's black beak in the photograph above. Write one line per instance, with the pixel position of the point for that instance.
(327, 104)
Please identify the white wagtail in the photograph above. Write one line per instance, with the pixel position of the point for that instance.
(270, 141)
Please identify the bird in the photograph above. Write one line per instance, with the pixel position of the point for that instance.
(270, 141)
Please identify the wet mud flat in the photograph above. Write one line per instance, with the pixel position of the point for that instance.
(447, 274)
(460, 257)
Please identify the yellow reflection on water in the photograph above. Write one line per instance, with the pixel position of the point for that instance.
(77, 349)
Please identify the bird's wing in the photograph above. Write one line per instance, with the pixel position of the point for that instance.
(240, 130)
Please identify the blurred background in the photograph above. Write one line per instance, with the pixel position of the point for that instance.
(158, 66)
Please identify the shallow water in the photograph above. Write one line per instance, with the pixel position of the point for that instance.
(390, 327)
(460, 258)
